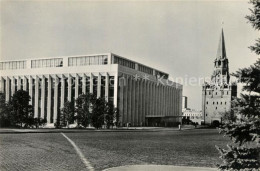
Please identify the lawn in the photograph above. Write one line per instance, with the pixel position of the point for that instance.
(109, 149)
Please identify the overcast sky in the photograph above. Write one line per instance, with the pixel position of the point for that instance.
(180, 38)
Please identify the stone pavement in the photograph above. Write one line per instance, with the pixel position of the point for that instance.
(159, 168)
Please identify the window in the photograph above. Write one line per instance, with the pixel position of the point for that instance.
(225, 103)
(213, 102)
(216, 108)
(221, 103)
(45, 63)
(207, 102)
(216, 93)
(217, 103)
(13, 65)
(227, 92)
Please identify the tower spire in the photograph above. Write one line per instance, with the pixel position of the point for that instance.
(221, 53)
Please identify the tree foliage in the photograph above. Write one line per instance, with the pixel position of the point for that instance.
(21, 110)
(67, 114)
(244, 154)
(83, 109)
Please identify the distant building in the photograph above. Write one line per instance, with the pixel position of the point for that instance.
(193, 115)
(217, 95)
(143, 95)
(184, 102)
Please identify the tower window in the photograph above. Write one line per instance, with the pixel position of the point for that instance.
(221, 103)
(207, 102)
(216, 93)
(216, 108)
(213, 102)
(217, 103)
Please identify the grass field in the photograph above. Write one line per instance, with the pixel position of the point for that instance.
(51, 151)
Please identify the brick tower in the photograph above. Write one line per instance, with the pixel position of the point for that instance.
(218, 94)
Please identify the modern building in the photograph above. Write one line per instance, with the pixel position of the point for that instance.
(194, 116)
(218, 94)
(184, 102)
(143, 95)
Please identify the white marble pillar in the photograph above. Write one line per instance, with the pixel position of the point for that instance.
(121, 98)
(49, 99)
(12, 86)
(69, 87)
(115, 88)
(77, 87)
(84, 84)
(107, 86)
(133, 103)
(129, 92)
(99, 86)
(19, 83)
(30, 88)
(55, 113)
(2, 85)
(36, 97)
(125, 99)
(91, 83)
(43, 97)
(62, 95)
(25, 83)
(7, 92)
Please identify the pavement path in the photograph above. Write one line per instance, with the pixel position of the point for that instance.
(159, 168)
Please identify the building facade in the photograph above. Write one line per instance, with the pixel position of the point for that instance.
(184, 102)
(194, 116)
(218, 94)
(143, 95)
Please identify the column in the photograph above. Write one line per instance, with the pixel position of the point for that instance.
(139, 111)
(99, 86)
(133, 103)
(136, 102)
(77, 87)
(2, 85)
(115, 88)
(107, 86)
(12, 86)
(129, 92)
(62, 97)
(7, 92)
(141, 101)
(84, 84)
(36, 99)
(55, 113)
(91, 83)
(121, 98)
(30, 88)
(43, 97)
(49, 99)
(125, 99)
(19, 83)
(24, 83)
(69, 87)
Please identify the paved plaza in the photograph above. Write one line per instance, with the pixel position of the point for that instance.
(99, 150)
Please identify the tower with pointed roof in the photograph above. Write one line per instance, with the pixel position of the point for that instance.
(219, 92)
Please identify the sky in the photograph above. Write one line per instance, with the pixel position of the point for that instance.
(177, 37)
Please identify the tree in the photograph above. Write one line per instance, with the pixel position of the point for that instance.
(5, 117)
(83, 109)
(98, 112)
(67, 114)
(244, 154)
(111, 115)
(21, 110)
